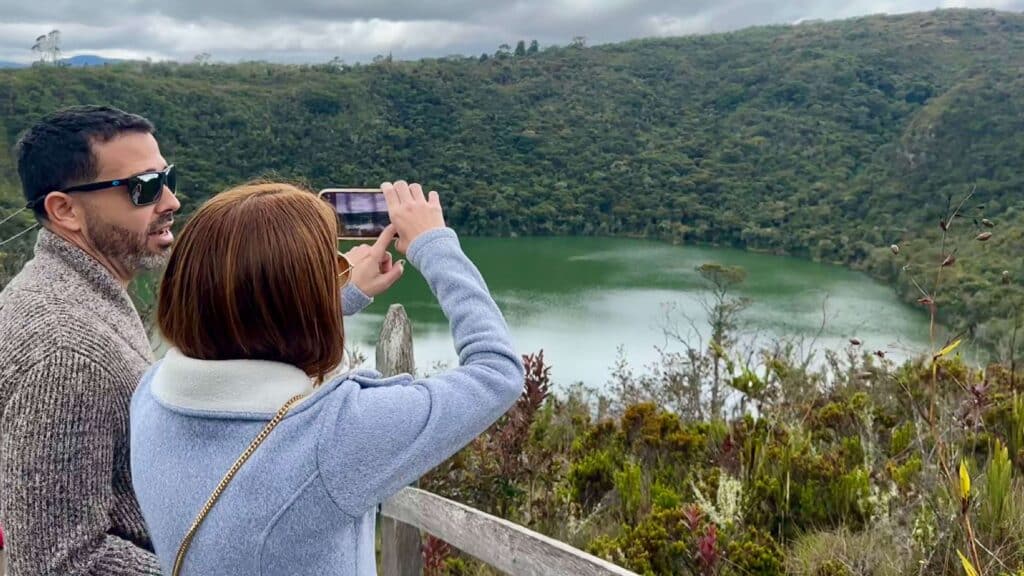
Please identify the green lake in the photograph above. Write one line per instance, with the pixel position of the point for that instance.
(581, 299)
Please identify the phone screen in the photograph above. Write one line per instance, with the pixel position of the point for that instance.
(362, 212)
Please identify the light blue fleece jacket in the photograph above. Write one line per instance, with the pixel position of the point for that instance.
(305, 501)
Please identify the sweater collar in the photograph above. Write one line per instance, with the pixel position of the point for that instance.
(255, 386)
(82, 279)
(51, 245)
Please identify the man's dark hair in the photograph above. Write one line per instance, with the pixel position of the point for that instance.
(56, 153)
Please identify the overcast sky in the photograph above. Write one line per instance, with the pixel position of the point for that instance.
(356, 30)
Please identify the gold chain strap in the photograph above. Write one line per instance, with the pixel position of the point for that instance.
(187, 540)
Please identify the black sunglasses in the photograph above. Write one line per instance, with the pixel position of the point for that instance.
(143, 189)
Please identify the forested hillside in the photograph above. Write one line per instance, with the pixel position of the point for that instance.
(827, 140)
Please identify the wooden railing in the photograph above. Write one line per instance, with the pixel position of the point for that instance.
(499, 543)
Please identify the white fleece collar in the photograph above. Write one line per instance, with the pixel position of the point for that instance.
(227, 385)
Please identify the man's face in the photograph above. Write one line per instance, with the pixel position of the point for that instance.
(132, 238)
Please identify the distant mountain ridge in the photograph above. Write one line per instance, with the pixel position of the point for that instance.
(80, 61)
(85, 60)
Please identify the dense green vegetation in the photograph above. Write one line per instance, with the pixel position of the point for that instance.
(827, 140)
(858, 467)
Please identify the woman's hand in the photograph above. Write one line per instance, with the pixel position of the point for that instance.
(411, 212)
(373, 271)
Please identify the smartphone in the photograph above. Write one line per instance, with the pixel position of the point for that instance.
(362, 212)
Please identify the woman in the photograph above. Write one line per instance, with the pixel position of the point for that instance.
(249, 303)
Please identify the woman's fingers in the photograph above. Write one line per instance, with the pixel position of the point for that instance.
(385, 263)
(411, 212)
(403, 192)
(417, 193)
(389, 278)
(390, 195)
(357, 253)
(380, 246)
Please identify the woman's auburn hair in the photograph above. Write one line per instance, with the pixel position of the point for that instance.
(254, 275)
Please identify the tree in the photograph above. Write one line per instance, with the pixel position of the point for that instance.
(521, 48)
(722, 312)
(48, 47)
(578, 42)
(203, 58)
(504, 51)
(534, 47)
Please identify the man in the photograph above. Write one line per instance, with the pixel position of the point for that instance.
(72, 345)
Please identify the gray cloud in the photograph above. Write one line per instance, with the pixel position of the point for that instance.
(356, 30)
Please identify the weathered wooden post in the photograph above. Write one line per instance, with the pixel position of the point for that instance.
(401, 544)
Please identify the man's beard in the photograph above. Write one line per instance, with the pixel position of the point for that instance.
(130, 250)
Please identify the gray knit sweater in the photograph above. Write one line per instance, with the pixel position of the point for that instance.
(72, 350)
